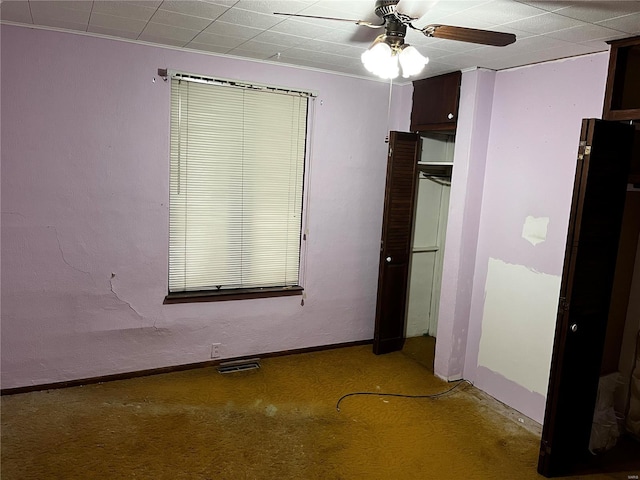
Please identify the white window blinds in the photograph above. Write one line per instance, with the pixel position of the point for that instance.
(237, 170)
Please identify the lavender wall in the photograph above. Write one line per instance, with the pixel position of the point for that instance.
(85, 166)
(472, 135)
(530, 165)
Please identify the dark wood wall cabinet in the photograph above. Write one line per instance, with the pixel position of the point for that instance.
(435, 103)
(622, 96)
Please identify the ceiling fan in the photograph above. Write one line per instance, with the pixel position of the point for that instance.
(388, 51)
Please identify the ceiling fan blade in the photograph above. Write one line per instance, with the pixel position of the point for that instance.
(414, 8)
(363, 23)
(471, 35)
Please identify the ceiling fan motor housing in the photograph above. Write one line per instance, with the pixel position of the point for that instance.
(385, 7)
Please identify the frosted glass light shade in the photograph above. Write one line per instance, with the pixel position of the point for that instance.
(411, 61)
(381, 61)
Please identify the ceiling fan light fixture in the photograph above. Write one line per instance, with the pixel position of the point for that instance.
(381, 59)
(411, 61)
(386, 55)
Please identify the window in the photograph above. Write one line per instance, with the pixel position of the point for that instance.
(237, 172)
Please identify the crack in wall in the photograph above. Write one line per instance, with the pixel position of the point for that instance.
(55, 230)
(127, 303)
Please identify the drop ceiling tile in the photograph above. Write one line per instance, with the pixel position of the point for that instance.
(444, 8)
(307, 62)
(463, 19)
(50, 11)
(532, 44)
(585, 33)
(174, 19)
(326, 58)
(520, 34)
(331, 9)
(569, 50)
(354, 8)
(281, 39)
(146, 3)
(112, 22)
(436, 53)
(498, 12)
(547, 5)
(224, 3)
(352, 34)
(544, 23)
(301, 28)
(628, 23)
(112, 32)
(224, 28)
(474, 58)
(194, 8)
(253, 19)
(165, 31)
(598, 11)
(237, 52)
(330, 47)
(418, 40)
(271, 6)
(259, 48)
(123, 9)
(221, 41)
(350, 70)
(161, 40)
(15, 12)
(453, 46)
(83, 5)
(207, 48)
(54, 22)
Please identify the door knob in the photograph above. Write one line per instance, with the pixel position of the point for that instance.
(574, 327)
(388, 259)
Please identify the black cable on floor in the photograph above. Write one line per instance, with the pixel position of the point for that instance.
(434, 395)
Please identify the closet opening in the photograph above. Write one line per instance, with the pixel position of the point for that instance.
(435, 163)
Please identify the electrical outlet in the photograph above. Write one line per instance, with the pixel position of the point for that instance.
(215, 350)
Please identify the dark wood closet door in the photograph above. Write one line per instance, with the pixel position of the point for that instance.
(395, 249)
(589, 267)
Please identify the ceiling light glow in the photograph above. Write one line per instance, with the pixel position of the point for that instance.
(386, 56)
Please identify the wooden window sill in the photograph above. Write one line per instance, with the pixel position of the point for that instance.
(232, 294)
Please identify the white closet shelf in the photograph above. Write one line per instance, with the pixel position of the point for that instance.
(434, 163)
(424, 249)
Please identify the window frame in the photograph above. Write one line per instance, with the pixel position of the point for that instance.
(212, 295)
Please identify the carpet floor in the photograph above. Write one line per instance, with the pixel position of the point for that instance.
(276, 422)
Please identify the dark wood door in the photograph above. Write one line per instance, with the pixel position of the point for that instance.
(585, 293)
(395, 248)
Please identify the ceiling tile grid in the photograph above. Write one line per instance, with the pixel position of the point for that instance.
(545, 30)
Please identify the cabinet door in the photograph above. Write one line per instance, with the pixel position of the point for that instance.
(622, 96)
(435, 102)
(585, 293)
(395, 249)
